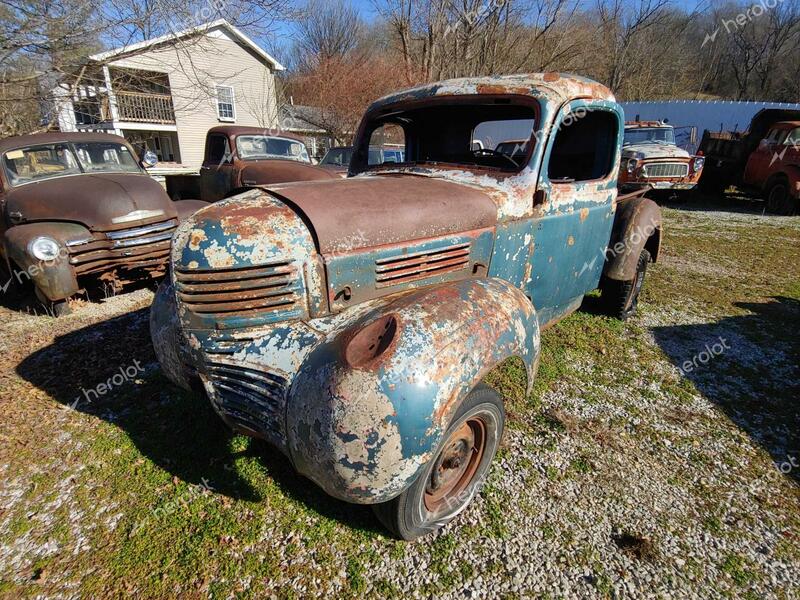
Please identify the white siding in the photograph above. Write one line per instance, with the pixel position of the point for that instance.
(194, 68)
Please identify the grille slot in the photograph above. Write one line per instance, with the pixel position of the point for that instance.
(236, 292)
(667, 170)
(144, 246)
(421, 265)
(251, 398)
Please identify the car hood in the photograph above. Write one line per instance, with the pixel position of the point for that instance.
(92, 199)
(653, 151)
(365, 211)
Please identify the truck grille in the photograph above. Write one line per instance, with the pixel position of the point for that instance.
(666, 170)
(251, 399)
(143, 246)
(420, 265)
(247, 291)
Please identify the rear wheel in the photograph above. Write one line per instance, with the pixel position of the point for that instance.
(451, 480)
(779, 201)
(621, 298)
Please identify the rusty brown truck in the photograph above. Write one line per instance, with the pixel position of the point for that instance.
(80, 204)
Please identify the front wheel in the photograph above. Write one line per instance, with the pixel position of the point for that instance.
(622, 297)
(57, 308)
(455, 475)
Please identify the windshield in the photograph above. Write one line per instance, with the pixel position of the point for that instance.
(460, 132)
(653, 135)
(58, 160)
(106, 157)
(337, 156)
(262, 146)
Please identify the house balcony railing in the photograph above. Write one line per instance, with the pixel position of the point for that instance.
(143, 108)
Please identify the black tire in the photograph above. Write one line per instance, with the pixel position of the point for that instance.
(779, 200)
(409, 515)
(621, 298)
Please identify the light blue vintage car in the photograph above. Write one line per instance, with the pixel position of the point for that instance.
(350, 322)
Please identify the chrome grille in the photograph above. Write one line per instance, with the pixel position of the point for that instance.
(252, 399)
(420, 265)
(143, 246)
(247, 291)
(666, 170)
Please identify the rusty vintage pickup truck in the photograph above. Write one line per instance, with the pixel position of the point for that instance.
(239, 158)
(80, 204)
(350, 323)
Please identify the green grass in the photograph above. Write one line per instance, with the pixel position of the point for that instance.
(140, 457)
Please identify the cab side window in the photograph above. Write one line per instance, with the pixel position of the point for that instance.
(218, 149)
(584, 147)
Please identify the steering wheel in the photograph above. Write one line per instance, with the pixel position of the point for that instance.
(490, 152)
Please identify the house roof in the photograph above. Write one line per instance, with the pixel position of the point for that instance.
(295, 117)
(204, 28)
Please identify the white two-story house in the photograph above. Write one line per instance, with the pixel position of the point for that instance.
(166, 93)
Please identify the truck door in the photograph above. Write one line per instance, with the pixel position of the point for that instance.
(217, 169)
(577, 189)
(759, 162)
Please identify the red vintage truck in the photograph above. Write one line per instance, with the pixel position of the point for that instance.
(764, 160)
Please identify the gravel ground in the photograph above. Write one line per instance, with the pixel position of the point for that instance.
(621, 476)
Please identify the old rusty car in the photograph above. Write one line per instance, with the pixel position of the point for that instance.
(652, 159)
(238, 158)
(80, 204)
(350, 323)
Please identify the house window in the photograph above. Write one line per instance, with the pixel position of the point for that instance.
(226, 109)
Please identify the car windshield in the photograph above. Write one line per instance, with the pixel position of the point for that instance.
(462, 132)
(337, 156)
(106, 157)
(650, 135)
(262, 146)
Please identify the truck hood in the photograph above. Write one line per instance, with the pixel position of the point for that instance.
(91, 199)
(266, 172)
(365, 211)
(653, 151)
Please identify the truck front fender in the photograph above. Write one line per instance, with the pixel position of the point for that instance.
(370, 404)
(55, 278)
(637, 225)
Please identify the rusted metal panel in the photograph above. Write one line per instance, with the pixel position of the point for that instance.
(363, 274)
(371, 211)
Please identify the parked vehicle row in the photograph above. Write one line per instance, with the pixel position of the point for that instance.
(349, 322)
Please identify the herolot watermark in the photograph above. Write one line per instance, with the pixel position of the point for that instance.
(34, 270)
(742, 19)
(124, 375)
(790, 464)
(705, 356)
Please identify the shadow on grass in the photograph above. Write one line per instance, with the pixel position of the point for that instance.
(178, 431)
(749, 366)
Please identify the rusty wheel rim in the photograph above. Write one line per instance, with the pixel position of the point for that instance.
(455, 466)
